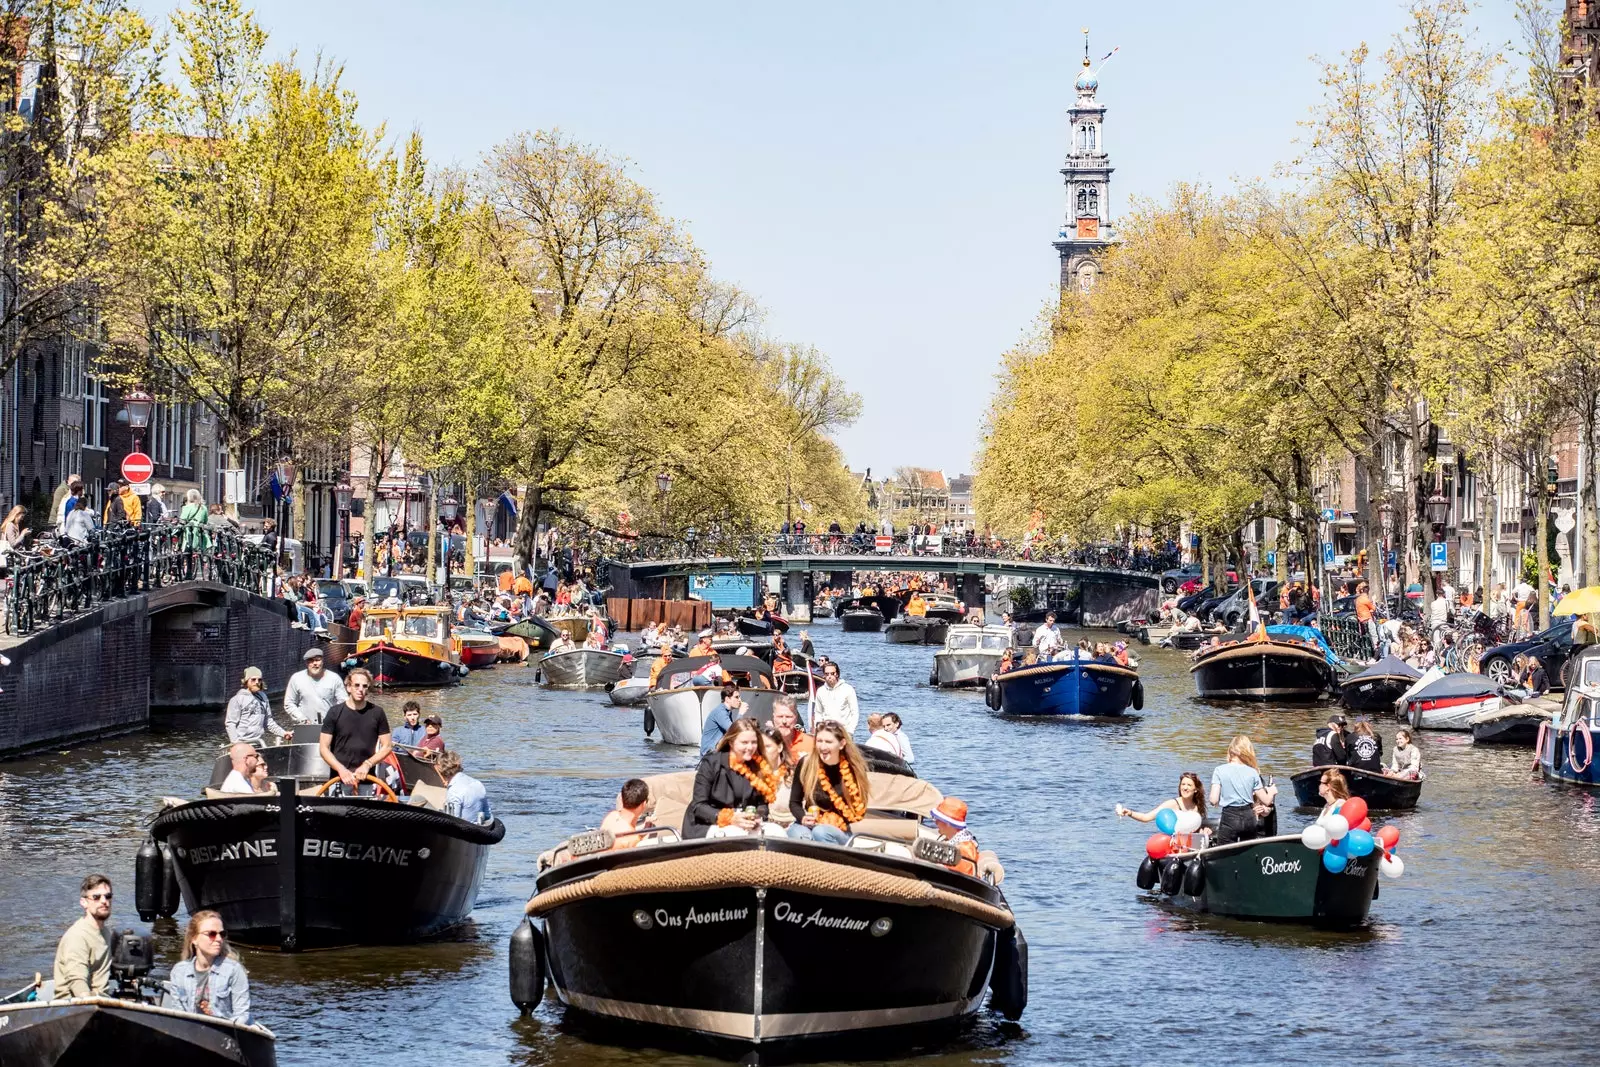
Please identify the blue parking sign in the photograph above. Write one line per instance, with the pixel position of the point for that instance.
(1272, 559)
(1438, 556)
(1327, 553)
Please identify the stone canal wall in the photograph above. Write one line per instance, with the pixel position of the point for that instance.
(182, 647)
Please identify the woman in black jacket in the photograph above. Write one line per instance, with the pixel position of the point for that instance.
(734, 778)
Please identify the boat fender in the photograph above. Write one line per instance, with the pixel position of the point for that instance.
(147, 877)
(1194, 878)
(463, 670)
(1008, 987)
(1374, 890)
(1138, 695)
(1144, 635)
(649, 721)
(527, 967)
(1148, 873)
(1538, 745)
(933, 679)
(991, 694)
(1172, 876)
(170, 897)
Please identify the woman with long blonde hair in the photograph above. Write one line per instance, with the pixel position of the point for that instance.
(1237, 788)
(208, 980)
(831, 788)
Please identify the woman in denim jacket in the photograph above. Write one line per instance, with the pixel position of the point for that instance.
(208, 980)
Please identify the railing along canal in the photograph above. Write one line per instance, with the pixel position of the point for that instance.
(647, 548)
(48, 587)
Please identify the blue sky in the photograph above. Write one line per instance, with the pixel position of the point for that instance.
(881, 176)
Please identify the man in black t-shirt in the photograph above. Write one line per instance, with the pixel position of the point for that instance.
(355, 734)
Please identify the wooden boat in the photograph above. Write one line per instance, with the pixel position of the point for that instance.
(128, 1033)
(407, 647)
(744, 935)
(916, 630)
(1378, 687)
(1439, 701)
(1509, 724)
(867, 614)
(539, 634)
(573, 625)
(1271, 879)
(1282, 667)
(585, 668)
(679, 704)
(1380, 791)
(1072, 684)
(476, 649)
(970, 656)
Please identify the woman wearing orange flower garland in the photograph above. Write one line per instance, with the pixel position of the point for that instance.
(830, 790)
(735, 786)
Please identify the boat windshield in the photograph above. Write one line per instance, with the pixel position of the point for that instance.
(421, 626)
(996, 642)
(374, 625)
(963, 642)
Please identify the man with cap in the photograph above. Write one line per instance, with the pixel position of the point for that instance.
(249, 717)
(312, 691)
(702, 647)
(1329, 749)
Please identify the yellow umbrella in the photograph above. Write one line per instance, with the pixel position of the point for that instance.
(1585, 601)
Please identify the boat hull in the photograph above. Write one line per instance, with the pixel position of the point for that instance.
(101, 1030)
(1071, 688)
(630, 692)
(476, 656)
(917, 631)
(1381, 792)
(1278, 879)
(536, 632)
(585, 668)
(574, 626)
(1508, 730)
(1565, 756)
(957, 670)
(332, 872)
(1267, 673)
(397, 668)
(861, 622)
(1449, 713)
(680, 714)
(1379, 694)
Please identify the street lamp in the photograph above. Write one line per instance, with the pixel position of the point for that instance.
(1438, 510)
(663, 483)
(1552, 475)
(139, 405)
(448, 508)
(689, 536)
(1386, 516)
(341, 496)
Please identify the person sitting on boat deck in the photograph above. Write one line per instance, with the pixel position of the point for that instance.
(1008, 660)
(734, 786)
(1334, 789)
(1406, 759)
(950, 819)
(1191, 797)
(432, 737)
(208, 980)
(806, 647)
(1119, 653)
(1237, 789)
(464, 795)
(1329, 748)
(249, 774)
(596, 638)
(1047, 639)
(1364, 750)
(787, 721)
(355, 734)
(663, 658)
(83, 955)
(775, 747)
(562, 643)
(721, 718)
(631, 813)
(249, 716)
(312, 691)
(835, 700)
(702, 647)
(410, 733)
(831, 787)
(888, 737)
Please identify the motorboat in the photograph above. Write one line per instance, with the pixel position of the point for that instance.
(867, 614)
(970, 656)
(804, 677)
(1279, 663)
(128, 1033)
(1378, 687)
(1269, 879)
(759, 944)
(1074, 683)
(539, 634)
(572, 624)
(1509, 724)
(407, 647)
(586, 668)
(1381, 792)
(476, 649)
(943, 606)
(630, 692)
(1439, 701)
(390, 868)
(682, 698)
(763, 624)
(916, 630)
(1566, 744)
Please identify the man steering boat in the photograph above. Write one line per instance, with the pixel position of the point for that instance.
(355, 737)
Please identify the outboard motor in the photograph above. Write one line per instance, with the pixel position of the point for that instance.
(527, 967)
(148, 876)
(167, 907)
(1149, 871)
(132, 956)
(1008, 985)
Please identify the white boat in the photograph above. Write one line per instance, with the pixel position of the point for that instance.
(970, 656)
(679, 709)
(585, 668)
(630, 692)
(1439, 701)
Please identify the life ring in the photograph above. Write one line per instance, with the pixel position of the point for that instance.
(1572, 748)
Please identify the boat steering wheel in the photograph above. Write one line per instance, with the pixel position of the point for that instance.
(386, 793)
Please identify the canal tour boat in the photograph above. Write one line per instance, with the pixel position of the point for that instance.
(1439, 701)
(128, 1033)
(867, 614)
(407, 647)
(1269, 879)
(1566, 745)
(681, 700)
(1382, 792)
(324, 871)
(970, 656)
(1377, 687)
(758, 943)
(586, 668)
(1277, 663)
(1073, 683)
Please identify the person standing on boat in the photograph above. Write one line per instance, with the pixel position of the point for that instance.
(312, 691)
(83, 955)
(1047, 638)
(835, 700)
(1236, 788)
(249, 716)
(355, 734)
(722, 718)
(208, 980)
(734, 786)
(831, 788)
(1329, 749)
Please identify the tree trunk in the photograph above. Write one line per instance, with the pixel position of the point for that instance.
(1281, 571)
(1541, 518)
(375, 466)
(433, 529)
(1373, 536)
(1489, 529)
(1588, 512)
(1205, 561)
(525, 547)
(297, 512)
(471, 504)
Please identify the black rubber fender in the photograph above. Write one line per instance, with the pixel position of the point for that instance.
(1008, 985)
(1138, 695)
(991, 695)
(1172, 875)
(171, 897)
(649, 721)
(528, 976)
(147, 878)
(1149, 873)
(1194, 878)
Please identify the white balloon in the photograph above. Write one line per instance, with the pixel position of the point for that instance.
(1337, 826)
(1391, 866)
(1315, 837)
(1189, 822)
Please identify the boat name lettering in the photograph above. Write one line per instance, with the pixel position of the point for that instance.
(1272, 865)
(785, 914)
(263, 848)
(1356, 869)
(353, 850)
(691, 917)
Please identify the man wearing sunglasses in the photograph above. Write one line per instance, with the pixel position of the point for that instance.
(83, 956)
(355, 734)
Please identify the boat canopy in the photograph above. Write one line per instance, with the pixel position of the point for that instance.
(732, 664)
(426, 623)
(1463, 684)
(1387, 667)
(962, 637)
(1306, 633)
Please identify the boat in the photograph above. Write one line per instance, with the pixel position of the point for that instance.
(1509, 724)
(1439, 701)
(943, 606)
(1270, 879)
(805, 677)
(1566, 745)
(678, 706)
(128, 1033)
(325, 871)
(476, 649)
(970, 656)
(585, 668)
(916, 630)
(630, 692)
(1288, 664)
(539, 634)
(753, 626)
(408, 647)
(573, 625)
(1380, 791)
(822, 607)
(759, 944)
(866, 614)
(1072, 684)
(1378, 687)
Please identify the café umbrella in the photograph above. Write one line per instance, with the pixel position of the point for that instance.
(1585, 601)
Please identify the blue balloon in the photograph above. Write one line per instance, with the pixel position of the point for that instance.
(1340, 847)
(1334, 861)
(1167, 821)
(1358, 842)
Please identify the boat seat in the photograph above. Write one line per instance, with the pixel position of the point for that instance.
(426, 795)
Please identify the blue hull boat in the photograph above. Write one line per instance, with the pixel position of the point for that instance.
(1566, 747)
(1067, 687)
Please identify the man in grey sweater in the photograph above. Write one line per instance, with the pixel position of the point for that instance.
(313, 691)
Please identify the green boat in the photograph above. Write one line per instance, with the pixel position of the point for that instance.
(1269, 879)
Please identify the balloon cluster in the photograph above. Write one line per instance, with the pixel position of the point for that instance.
(1175, 827)
(1346, 833)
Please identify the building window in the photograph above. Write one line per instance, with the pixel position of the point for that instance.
(1094, 201)
(95, 406)
(1083, 201)
(1086, 274)
(69, 453)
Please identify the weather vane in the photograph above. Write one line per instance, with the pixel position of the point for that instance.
(1096, 71)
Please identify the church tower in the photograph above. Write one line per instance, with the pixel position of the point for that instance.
(1087, 173)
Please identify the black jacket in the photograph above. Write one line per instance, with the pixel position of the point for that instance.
(1365, 752)
(718, 786)
(1329, 749)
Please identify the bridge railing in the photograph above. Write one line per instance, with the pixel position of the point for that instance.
(62, 580)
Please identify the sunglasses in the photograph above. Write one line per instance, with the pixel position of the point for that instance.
(214, 935)
(359, 685)
(100, 896)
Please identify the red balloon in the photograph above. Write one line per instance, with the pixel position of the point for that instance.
(1389, 835)
(1158, 846)
(1354, 810)
(1366, 824)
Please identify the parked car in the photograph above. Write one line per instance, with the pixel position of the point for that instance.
(1172, 580)
(1237, 605)
(334, 596)
(1551, 647)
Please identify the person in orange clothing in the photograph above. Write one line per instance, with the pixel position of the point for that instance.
(522, 586)
(505, 579)
(950, 819)
(660, 664)
(1366, 615)
(702, 647)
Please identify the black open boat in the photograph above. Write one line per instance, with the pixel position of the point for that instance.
(1268, 879)
(324, 871)
(1277, 669)
(867, 614)
(1509, 724)
(741, 943)
(107, 1030)
(1380, 791)
(1379, 686)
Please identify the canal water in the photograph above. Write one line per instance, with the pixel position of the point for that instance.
(1481, 952)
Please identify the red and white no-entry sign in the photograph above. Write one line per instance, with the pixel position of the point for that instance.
(137, 468)
(883, 542)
